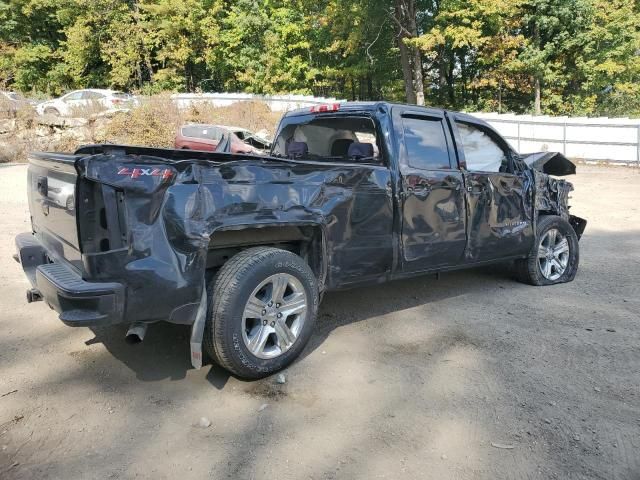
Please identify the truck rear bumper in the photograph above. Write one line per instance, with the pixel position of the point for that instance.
(79, 303)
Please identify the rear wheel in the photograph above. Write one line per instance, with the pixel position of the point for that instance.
(555, 255)
(262, 306)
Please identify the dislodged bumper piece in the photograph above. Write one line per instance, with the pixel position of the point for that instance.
(78, 302)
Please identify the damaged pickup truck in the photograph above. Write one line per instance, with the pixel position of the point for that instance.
(242, 247)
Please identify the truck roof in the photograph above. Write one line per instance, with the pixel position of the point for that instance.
(373, 106)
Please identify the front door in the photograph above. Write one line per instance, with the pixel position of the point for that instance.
(433, 210)
(499, 213)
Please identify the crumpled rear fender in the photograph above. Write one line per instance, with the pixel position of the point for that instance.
(171, 219)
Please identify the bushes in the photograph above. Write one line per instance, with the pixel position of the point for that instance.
(153, 123)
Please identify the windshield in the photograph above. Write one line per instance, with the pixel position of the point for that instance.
(331, 138)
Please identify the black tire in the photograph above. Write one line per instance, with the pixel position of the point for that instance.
(51, 111)
(529, 270)
(228, 294)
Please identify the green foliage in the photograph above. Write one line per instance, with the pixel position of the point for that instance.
(476, 54)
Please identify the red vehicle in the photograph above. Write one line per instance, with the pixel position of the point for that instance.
(208, 137)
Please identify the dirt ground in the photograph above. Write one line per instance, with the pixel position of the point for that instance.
(473, 376)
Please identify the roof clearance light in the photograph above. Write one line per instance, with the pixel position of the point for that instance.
(334, 107)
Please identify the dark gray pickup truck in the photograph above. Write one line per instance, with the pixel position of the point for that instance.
(242, 247)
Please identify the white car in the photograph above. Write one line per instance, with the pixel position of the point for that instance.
(75, 102)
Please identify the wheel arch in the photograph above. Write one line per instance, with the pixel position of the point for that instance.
(308, 240)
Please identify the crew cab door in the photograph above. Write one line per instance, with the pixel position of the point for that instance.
(498, 197)
(432, 195)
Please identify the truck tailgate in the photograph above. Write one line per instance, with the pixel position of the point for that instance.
(52, 203)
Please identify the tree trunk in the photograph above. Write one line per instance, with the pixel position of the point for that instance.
(463, 77)
(405, 59)
(418, 82)
(451, 86)
(538, 100)
(442, 77)
(417, 77)
(537, 87)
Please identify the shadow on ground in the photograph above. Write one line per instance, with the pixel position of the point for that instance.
(165, 350)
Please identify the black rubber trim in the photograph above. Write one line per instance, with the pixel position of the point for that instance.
(79, 303)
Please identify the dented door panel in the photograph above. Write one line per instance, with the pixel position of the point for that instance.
(500, 222)
(433, 230)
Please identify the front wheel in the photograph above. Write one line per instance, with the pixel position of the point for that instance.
(262, 306)
(555, 255)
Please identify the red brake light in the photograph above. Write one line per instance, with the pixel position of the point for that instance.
(334, 107)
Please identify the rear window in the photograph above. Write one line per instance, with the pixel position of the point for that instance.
(202, 131)
(329, 138)
(121, 95)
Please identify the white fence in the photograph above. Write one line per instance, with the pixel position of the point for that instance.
(606, 139)
(277, 103)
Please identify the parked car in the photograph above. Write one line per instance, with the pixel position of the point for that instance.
(208, 137)
(10, 103)
(243, 247)
(75, 102)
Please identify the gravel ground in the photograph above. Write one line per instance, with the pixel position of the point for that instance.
(472, 376)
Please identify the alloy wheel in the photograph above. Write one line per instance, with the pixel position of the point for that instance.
(553, 254)
(274, 316)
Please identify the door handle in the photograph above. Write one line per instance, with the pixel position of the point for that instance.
(451, 183)
(475, 191)
(421, 190)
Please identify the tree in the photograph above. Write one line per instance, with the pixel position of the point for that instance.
(405, 16)
(471, 47)
(552, 29)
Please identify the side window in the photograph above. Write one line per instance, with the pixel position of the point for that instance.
(481, 152)
(426, 143)
(73, 96)
(92, 96)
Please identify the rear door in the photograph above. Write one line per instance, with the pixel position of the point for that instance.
(94, 100)
(433, 210)
(498, 205)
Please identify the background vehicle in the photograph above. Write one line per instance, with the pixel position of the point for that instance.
(74, 102)
(10, 103)
(207, 137)
(251, 138)
(242, 247)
